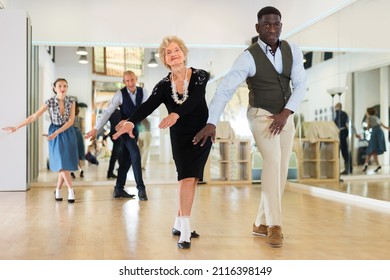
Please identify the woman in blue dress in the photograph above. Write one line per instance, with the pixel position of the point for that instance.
(63, 153)
(376, 144)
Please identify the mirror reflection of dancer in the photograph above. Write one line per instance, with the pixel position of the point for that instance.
(128, 99)
(63, 152)
(377, 143)
(183, 93)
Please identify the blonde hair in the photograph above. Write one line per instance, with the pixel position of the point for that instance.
(129, 72)
(164, 44)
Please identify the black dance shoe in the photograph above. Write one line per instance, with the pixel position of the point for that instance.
(122, 194)
(378, 168)
(184, 245)
(111, 176)
(176, 232)
(142, 195)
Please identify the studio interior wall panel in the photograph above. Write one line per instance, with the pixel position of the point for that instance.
(14, 89)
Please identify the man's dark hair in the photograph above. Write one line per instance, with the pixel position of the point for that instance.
(268, 11)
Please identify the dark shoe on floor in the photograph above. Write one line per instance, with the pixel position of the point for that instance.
(82, 174)
(184, 245)
(344, 172)
(72, 174)
(378, 168)
(176, 232)
(142, 195)
(122, 194)
(365, 168)
(111, 176)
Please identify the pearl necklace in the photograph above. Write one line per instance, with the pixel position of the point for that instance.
(175, 95)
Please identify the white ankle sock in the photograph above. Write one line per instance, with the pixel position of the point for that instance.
(176, 225)
(185, 229)
(70, 194)
(58, 193)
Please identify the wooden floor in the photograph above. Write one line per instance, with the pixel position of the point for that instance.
(97, 227)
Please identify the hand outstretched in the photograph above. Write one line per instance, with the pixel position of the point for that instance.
(9, 129)
(122, 128)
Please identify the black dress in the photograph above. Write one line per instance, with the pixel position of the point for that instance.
(189, 159)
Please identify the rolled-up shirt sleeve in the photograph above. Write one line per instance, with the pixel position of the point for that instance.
(243, 67)
(298, 79)
(116, 101)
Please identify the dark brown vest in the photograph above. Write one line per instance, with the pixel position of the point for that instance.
(268, 89)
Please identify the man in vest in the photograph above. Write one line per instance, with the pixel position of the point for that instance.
(342, 121)
(128, 99)
(268, 66)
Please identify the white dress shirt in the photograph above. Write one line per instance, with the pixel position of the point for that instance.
(244, 67)
(116, 101)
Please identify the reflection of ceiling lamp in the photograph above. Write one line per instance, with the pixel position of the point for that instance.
(83, 59)
(333, 91)
(337, 90)
(81, 51)
(152, 62)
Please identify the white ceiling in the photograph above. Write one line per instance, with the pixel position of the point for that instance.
(350, 25)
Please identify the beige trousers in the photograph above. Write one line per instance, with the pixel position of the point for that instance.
(144, 139)
(275, 151)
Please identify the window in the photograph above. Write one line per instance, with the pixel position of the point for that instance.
(113, 61)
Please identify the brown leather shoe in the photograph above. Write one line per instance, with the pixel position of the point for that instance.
(261, 230)
(274, 236)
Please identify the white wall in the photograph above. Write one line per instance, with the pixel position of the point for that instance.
(13, 92)
(143, 23)
(343, 30)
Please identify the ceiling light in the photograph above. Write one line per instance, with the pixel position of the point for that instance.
(81, 51)
(152, 62)
(83, 59)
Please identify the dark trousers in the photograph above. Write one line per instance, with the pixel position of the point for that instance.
(116, 149)
(129, 156)
(345, 151)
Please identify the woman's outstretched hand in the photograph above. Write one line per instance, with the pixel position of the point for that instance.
(9, 129)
